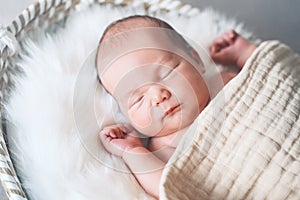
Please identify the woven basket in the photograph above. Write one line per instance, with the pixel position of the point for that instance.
(47, 15)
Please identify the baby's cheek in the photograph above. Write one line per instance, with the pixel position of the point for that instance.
(140, 118)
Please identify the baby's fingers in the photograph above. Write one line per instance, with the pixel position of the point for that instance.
(217, 45)
(113, 132)
(119, 133)
(104, 137)
(110, 144)
(230, 36)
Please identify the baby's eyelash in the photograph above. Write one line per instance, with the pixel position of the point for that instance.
(170, 71)
(167, 74)
(137, 100)
(176, 65)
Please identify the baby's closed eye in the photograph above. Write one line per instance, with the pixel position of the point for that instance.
(170, 71)
(136, 100)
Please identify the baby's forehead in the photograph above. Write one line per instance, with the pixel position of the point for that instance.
(120, 44)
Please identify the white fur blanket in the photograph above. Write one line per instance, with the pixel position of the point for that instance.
(246, 143)
(51, 159)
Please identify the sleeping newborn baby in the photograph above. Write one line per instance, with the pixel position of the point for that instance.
(156, 78)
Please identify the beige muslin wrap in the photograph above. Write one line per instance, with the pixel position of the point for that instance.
(246, 143)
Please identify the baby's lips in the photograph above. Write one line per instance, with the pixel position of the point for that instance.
(171, 109)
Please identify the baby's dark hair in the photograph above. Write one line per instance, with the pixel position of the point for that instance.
(119, 25)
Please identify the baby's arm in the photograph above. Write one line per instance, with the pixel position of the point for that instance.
(123, 141)
(146, 167)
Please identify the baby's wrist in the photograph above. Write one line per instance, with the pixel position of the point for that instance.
(135, 150)
(141, 160)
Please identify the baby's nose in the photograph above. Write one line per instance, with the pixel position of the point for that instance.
(158, 94)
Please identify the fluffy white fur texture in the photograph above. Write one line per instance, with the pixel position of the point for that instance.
(50, 157)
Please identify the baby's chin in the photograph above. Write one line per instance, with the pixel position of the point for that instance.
(160, 131)
(151, 131)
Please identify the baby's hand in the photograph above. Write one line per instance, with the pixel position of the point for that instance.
(119, 138)
(231, 49)
(223, 49)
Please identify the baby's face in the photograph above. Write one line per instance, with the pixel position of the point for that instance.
(158, 91)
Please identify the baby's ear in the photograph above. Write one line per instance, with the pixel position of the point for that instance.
(197, 58)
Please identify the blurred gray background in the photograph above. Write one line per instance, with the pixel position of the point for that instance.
(268, 19)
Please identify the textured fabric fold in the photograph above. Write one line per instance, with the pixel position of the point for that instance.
(245, 144)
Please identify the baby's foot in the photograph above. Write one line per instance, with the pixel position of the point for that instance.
(231, 49)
